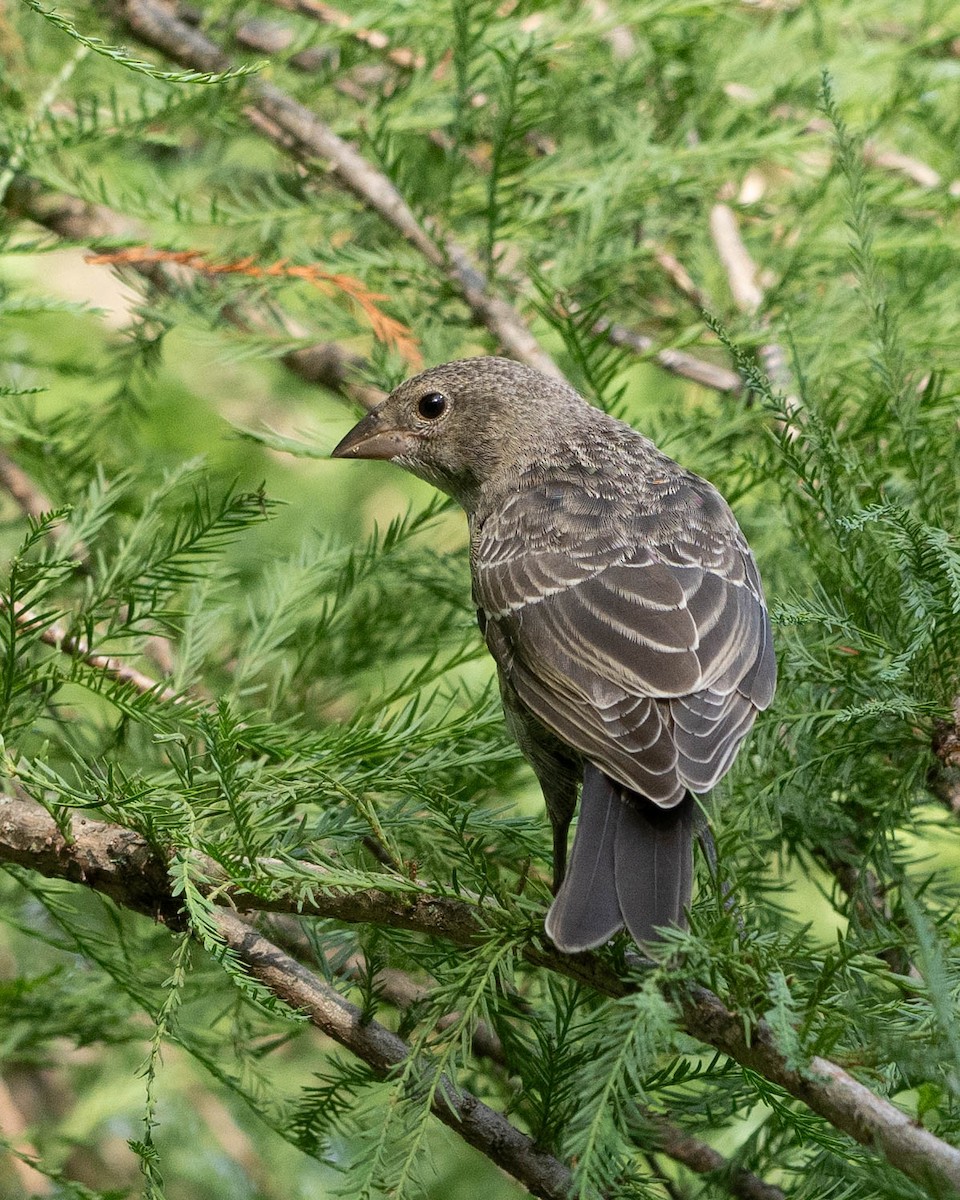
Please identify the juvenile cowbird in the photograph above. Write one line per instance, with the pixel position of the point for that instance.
(623, 608)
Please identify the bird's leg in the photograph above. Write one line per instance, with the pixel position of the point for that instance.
(560, 832)
(709, 848)
(557, 772)
(560, 793)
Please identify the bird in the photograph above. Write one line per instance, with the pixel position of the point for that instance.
(624, 611)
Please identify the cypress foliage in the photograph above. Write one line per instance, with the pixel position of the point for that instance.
(238, 678)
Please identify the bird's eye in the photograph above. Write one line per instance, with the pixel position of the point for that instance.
(432, 405)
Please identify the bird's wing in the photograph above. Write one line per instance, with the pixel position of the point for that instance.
(651, 659)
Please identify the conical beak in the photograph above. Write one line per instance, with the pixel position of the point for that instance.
(368, 439)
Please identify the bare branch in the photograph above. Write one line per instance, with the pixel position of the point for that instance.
(400, 990)
(677, 362)
(702, 1159)
(833, 1093)
(740, 267)
(13, 1129)
(21, 487)
(886, 158)
(301, 133)
(124, 866)
(326, 14)
(678, 274)
(944, 778)
(744, 280)
(325, 363)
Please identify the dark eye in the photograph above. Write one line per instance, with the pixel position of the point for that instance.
(432, 405)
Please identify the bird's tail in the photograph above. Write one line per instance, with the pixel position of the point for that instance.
(631, 864)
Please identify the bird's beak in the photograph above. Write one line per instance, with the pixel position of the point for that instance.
(369, 439)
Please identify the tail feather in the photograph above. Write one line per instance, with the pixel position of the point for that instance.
(654, 865)
(586, 910)
(631, 863)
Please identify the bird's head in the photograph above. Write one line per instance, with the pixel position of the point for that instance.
(464, 424)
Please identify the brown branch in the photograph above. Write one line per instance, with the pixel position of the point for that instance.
(53, 634)
(302, 133)
(744, 280)
(674, 361)
(21, 487)
(702, 1159)
(397, 988)
(325, 363)
(326, 14)
(944, 778)
(123, 865)
(830, 1091)
(678, 275)
(484, 1128)
(677, 362)
(886, 158)
(13, 1130)
(403, 992)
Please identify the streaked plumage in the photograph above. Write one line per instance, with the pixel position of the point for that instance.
(623, 608)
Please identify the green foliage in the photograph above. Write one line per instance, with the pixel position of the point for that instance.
(322, 697)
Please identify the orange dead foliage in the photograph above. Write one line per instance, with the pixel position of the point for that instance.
(386, 329)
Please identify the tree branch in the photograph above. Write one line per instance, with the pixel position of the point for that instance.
(677, 362)
(326, 14)
(743, 277)
(123, 865)
(300, 132)
(53, 634)
(21, 487)
(484, 1128)
(325, 363)
(944, 779)
(400, 990)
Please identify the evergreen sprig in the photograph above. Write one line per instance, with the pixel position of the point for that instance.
(219, 692)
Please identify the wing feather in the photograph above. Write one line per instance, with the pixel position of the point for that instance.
(651, 659)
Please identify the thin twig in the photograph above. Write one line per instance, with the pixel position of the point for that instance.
(678, 275)
(944, 778)
(21, 487)
(744, 280)
(483, 1127)
(702, 1159)
(53, 634)
(326, 14)
(886, 158)
(395, 987)
(677, 362)
(126, 867)
(325, 363)
(13, 1130)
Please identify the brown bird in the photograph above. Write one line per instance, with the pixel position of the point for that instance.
(624, 610)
